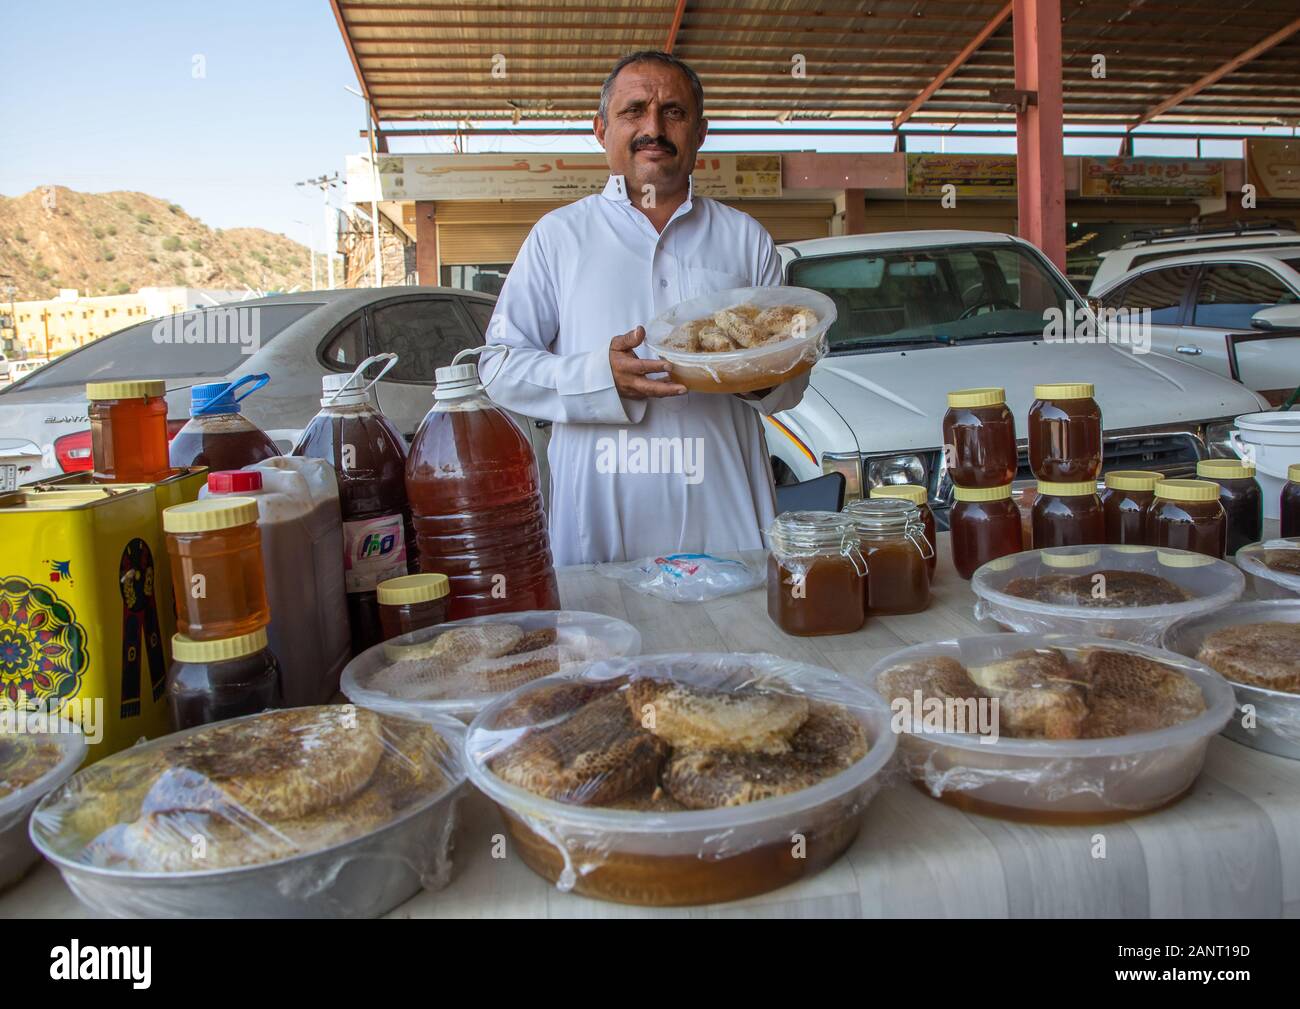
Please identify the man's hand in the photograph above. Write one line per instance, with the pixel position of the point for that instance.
(630, 371)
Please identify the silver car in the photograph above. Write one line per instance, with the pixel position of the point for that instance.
(295, 338)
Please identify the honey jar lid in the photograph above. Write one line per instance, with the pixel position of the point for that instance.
(913, 492)
(1131, 548)
(421, 588)
(1064, 390)
(1070, 559)
(1225, 469)
(1079, 488)
(185, 649)
(136, 389)
(987, 396)
(981, 493)
(1293, 472)
(1133, 479)
(1183, 559)
(209, 514)
(1187, 490)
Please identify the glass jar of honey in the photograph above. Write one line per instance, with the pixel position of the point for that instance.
(984, 524)
(1068, 514)
(410, 602)
(1290, 514)
(979, 438)
(918, 495)
(128, 431)
(1065, 433)
(816, 575)
(1242, 500)
(210, 681)
(1187, 515)
(1128, 495)
(891, 536)
(216, 560)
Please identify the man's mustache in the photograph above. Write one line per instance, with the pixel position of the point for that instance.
(663, 143)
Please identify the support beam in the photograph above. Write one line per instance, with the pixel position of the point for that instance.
(1040, 157)
(982, 36)
(352, 55)
(1236, 63)
(855, 211)
(675, 27)
(427, 269)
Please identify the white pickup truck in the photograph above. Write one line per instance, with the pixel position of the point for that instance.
(921, 313)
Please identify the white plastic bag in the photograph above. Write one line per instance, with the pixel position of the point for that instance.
(685, 578)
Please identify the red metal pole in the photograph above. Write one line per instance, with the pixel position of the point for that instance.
(1040, 157)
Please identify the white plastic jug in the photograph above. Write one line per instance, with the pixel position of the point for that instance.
(302, 549)
(1272, 442)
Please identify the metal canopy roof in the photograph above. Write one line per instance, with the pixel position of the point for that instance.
(1223, 61)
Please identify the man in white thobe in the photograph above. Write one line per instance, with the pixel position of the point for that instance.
(607, 265)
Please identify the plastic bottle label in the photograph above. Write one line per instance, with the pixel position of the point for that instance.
(373, 550)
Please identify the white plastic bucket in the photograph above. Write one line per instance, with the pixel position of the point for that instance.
(1272, 442)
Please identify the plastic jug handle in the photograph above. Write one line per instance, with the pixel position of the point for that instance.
(360, 372)
(258, 380)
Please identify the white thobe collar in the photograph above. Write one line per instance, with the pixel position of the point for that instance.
(616, 192)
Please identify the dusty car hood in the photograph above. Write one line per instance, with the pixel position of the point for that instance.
(896, 399)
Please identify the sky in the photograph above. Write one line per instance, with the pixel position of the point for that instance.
(223, 105)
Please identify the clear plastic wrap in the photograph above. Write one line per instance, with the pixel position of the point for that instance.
(686, 578)
(1056, 757)
(1127, 592)
(38, 752)
(682, 779)
(304, 812)
(746, 370)
(1272, 721)
(1273, 566)
(455, 669)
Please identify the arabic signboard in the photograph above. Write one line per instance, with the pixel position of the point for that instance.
(1189, 178)
(1273, 167)
(531, 177)
(971, 174)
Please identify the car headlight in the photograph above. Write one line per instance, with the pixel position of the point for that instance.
(1217, 443)
(895, 469)
(849, 464)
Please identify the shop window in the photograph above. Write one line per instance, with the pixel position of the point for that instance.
(483, 279)
(1230, 293)
(1159, 290)
(424, 333)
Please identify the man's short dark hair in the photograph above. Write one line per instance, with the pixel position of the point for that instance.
(651, 56)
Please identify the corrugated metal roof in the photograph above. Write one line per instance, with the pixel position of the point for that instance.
(865, 60)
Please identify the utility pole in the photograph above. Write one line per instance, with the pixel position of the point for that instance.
(325, 183)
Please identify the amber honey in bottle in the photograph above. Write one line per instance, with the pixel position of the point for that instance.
(1290, 511)
(1065, 433)
(891, 537)
(1242, 500)
(128, 431)
(215, 548)
(918, 495)
(1068, 514)
(1187, 515)
(210, 681)
(412, 602)
(984, 524)
(979, 437)
(815, 574)
(476, 496)
(218, 435)
(1128, 495)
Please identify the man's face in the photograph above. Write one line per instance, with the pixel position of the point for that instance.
(654, 129)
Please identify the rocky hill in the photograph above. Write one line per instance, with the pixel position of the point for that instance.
(112, 243)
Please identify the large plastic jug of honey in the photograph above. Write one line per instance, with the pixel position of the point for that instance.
(368, 454)
(476, 499)
(302, 550)
(218, 435)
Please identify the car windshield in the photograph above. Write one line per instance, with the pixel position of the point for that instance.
(941, 294)
(169, 348)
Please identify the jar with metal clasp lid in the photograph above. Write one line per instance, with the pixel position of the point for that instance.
(815, 574)
(891, 536)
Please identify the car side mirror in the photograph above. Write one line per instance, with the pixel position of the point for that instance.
(1276, 317)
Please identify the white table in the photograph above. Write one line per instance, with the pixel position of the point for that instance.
(1230, 848)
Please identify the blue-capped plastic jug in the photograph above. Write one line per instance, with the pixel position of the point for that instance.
(218, 435)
